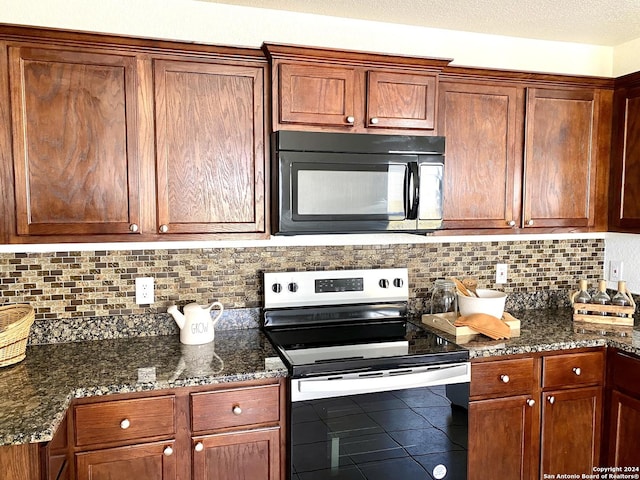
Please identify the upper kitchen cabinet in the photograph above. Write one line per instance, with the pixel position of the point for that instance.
(624, 211)
(210, 148)
(524, 151)
(346, 91)
(75, 157)
(121, 139)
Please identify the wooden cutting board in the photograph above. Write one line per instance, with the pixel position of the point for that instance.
(444, 322)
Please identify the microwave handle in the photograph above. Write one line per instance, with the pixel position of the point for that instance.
(413, 191)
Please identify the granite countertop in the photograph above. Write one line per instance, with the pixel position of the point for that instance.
(36, 392)
(553, 329)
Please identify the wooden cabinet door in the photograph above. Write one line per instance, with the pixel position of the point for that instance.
(625, 203)
(74, 141)
(252, 454)
(401, 100)
(317, 95)
(151, 461)
(503, 438)
(560, 158)
(482, 125)
(625, 427)
(571, 428)
(210, 147)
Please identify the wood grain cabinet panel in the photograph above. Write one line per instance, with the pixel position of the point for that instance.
(210, 149)
(235, 407)
(624, 431)
(74, 141)
(151, 461)
(571, 427)
(316, 95)
(124, 420)
(573, 370)
(560, 157)
(503, 438)
(502, 378)
(483, 167)
(251, 454)
(401, 100)
(624, 211)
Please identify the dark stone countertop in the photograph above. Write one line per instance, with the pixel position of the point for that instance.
(553, 329)
(36, 392)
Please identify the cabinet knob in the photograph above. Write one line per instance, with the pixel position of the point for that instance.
(124, 424)
(551, 399)
(133, 228)
(531, 402)
(505, 378)
(164, 228)
(351, 119)
(577, 371)
(199, 447)
(168, 451)
(373, 121)
(530, 223)
(511, 223)
(236, 410)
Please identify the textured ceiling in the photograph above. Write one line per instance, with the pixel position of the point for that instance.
(596, 22)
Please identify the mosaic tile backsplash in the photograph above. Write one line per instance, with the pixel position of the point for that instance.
(84, 285)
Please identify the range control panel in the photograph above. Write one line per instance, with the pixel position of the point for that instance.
(335, 287)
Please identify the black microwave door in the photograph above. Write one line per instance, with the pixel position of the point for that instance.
(346, 193)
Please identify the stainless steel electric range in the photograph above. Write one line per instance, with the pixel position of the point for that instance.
(373, 395)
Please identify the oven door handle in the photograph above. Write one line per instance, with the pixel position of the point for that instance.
(384, 381)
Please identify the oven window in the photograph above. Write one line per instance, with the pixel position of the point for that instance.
(414, 434)
(339, 190)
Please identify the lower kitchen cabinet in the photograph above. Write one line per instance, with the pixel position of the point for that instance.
(571, 421)
(152, 461)
(250, 454)
(623, 410)
(536, 415)
(220, 432)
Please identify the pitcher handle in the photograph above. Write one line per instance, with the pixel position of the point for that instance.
(220, 310)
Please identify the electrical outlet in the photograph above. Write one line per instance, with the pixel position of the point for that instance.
(615, 270)
(501, 272)
(144, 291)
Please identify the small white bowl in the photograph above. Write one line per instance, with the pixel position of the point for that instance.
(488, 301)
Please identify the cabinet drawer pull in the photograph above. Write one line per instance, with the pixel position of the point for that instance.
(531, 402)
(168, 451)
(373, 121)
(134, 227)
(511, 223)
(551, 399)
(505, 378)
(351, 119)
(529, 223)
(164, 228)
(236, 410)
(199, 447)
(577, 371)
(124, 424)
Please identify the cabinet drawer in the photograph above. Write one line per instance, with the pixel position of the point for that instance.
(626, 373)
(124, 420)
(503, 378)
(573, 369)
(235, 407)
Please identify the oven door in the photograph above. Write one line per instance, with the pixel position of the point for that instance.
(406, 423)
(350, 193)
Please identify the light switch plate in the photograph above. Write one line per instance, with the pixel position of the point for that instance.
(501, 272)
(615, 270)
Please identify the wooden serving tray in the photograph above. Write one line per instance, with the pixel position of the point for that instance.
(444, 322)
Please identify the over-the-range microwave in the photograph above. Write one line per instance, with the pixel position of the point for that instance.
(356, 183)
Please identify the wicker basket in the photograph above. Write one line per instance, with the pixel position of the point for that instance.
(15, 324)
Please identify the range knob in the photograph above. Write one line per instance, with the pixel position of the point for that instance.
(293, 287)
(384, 283)
(398, 282)
(276, 288)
